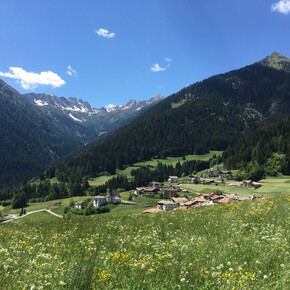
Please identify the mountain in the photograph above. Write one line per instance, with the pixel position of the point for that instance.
(267, 148)
(37, 129)
(30, 141)
(99, 121)
(211, 114)
(277, 61)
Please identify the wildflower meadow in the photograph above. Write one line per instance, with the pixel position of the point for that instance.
(236, 246)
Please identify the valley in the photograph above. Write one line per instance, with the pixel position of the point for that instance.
(215, 193)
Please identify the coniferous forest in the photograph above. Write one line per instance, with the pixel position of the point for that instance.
(209, 115)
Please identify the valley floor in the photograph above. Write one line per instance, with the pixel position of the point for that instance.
(242, 245)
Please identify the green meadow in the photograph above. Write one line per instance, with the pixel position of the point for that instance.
(270, 186)
(153, 163)
(242, 245)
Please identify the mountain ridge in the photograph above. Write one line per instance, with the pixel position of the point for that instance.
(208, 115)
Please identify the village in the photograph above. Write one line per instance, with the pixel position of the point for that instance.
(174, 195)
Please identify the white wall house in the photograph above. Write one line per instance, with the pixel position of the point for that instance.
(99, 201)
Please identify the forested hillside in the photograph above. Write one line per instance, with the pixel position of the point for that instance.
(268, 148)
(30, 141)
(211, 114)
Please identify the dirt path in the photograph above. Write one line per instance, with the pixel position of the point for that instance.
(134, 203)
(32, 212)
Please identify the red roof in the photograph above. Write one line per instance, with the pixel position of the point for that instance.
(224, 200)
(179, 199)
(198, 199)
(215, 197)
(150, 189)
(189, 203)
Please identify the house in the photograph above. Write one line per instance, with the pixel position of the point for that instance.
(151, 191)
(250, 184)
(225, 200)
(189, 203)
(155, 184)
(170, 192)
(139, 190)
(166, 205)
(173, 179)
(255, 185)
(207, 195)
(226, 174)
(215, 198)
(212, 172)
(113, 197)
(193, 178)
(179, 200)
(209, 181)
(99, 200)
(199, 199)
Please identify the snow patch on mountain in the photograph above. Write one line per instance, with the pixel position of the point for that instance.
(40, 103)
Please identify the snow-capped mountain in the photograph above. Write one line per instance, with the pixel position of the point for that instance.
(81, 111)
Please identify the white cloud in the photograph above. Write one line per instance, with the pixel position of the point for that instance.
(105, 33)
(31, 80)
(155, 68)
(168, 59)
(281, 6)
(71, 72)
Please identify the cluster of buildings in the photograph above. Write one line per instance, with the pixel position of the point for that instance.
(100, 200)
(205, 199)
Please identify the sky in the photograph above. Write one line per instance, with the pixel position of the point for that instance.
(109, 51)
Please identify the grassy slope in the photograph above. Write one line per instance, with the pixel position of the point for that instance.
(242, 245)
(271, 186)
(169, 161)
(42, 205)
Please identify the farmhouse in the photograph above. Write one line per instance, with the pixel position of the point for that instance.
(193, 178)
(215, 198)
(155, 184)
(170, 192)
(139, 190)
(226, 174)
(212, 172)
(99, 200)
(166, 205)
(179, 200)
(151, 191)
(209, 181)
(250, 184)
(173, 179)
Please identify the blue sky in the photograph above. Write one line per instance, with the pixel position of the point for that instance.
(110, 51)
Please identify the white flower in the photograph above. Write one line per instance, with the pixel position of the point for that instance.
(258, 262)
(182, 279)
(282, 265)
(265, 276)
(229, 263)
(231, 269)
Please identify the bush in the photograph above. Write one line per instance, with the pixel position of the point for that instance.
(66, 209)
